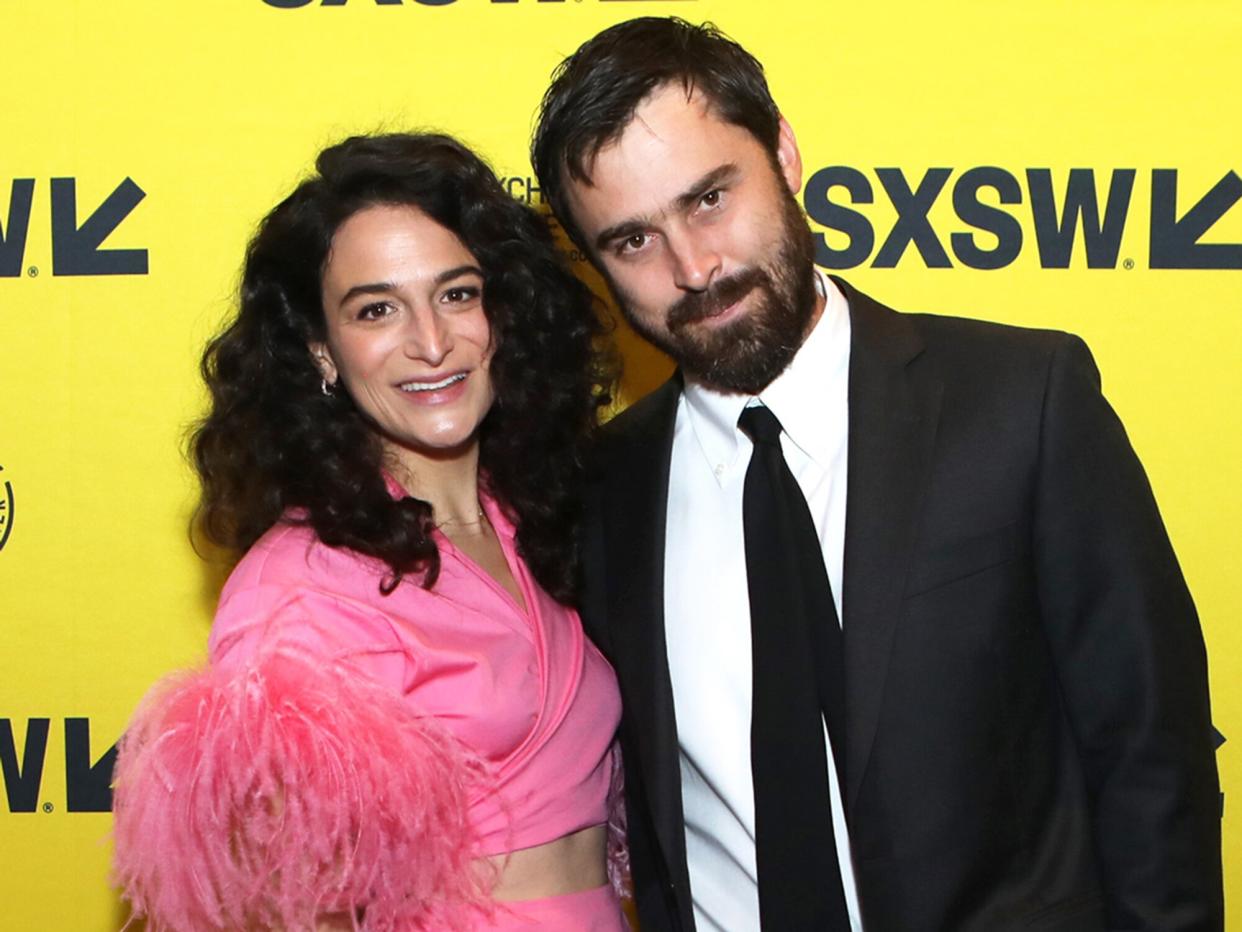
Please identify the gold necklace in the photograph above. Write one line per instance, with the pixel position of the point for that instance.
(457, 523)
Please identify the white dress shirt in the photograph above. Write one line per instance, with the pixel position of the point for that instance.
(707, 608)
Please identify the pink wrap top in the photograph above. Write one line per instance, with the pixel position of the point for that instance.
(522, 688)
(349, 749)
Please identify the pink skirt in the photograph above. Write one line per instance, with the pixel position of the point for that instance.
(596, 910)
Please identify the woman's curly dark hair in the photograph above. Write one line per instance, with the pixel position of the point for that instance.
(274, 446)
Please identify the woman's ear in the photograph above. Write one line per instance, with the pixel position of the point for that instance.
(323, 362)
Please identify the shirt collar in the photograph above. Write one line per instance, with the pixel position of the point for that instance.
(795, 396)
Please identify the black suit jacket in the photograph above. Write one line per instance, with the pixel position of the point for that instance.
(1028, 733)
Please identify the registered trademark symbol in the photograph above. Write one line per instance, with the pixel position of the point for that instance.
(1128, 264)
(33, 271)
(48, 807)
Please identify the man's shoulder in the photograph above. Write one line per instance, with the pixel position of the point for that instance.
(952, 333)
(969, 336)
(984, 363)
(974, 359)
(650, 414)
(635, 436)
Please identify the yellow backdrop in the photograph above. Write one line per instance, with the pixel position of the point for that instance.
(142, 141)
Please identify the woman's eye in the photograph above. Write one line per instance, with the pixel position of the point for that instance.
(461, 294)
(374, 311)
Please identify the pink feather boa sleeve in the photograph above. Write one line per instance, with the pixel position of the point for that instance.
(289, 788)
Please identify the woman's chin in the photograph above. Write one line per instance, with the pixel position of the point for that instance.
(441, 446)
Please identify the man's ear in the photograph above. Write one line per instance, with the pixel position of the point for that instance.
(788, 157)
(323, 361)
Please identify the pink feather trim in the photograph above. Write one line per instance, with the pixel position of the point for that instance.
(618, 849)
(264, 797)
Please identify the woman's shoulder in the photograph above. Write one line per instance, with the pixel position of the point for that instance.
(290, 554)
(291, 587)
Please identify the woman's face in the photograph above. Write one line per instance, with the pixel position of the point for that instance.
(406, 332)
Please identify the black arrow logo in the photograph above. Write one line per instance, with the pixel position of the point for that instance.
(75, 250)
(1175, 243)
(13, 235)
(87, 786)
(21, 783)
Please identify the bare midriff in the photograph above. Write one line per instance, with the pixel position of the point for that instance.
(570, 864)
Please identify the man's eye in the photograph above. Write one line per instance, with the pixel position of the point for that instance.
(632, 243)
(711, 198)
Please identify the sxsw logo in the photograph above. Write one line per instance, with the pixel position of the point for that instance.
(76, 246)
(1078, 211)
(88, 786)
(294, 4)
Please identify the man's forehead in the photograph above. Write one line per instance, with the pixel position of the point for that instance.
(665, 101)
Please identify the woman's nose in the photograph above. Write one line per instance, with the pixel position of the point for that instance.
(427, 338)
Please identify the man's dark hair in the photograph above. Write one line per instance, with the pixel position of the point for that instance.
(595, 92)
(274, 447)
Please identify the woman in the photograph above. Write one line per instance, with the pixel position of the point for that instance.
(402, 725)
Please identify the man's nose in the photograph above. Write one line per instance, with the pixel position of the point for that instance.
(696, 261)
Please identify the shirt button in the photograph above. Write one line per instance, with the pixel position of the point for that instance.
(719, 470)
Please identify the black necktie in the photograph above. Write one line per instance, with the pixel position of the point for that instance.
(796, 654)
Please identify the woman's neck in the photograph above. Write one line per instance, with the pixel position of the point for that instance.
(449, 482)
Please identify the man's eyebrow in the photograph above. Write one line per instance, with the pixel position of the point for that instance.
(633, 225)
(384, 287)
(713, 179)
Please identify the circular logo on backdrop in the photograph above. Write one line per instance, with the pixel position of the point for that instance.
(6, 510)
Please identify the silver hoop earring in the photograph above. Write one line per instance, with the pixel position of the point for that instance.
(325, 387)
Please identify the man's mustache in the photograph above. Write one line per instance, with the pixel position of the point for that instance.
(701, 305)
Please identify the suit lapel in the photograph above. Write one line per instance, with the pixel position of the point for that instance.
(894, 407)
(636, 511)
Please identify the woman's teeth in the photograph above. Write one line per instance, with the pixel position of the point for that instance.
(432, 386)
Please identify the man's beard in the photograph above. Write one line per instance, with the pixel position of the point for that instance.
(746, 354)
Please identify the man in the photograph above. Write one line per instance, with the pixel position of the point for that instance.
(1008, 726)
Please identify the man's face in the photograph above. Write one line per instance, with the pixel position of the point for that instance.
(702, 241)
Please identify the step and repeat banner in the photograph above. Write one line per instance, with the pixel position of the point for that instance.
(1058, 164)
